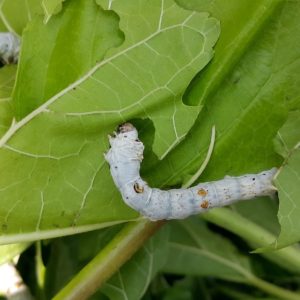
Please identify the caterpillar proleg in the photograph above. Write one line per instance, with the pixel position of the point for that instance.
(125, 157)
(9, 47)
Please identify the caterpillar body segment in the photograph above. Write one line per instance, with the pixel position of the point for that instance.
(125, 156)
(9, 48)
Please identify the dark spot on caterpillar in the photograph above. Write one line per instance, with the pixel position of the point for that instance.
(116, 167)
(127, 198)
(125, 136)
(138, 189)
(204, 204)
(253, 178)
(137, 140)
(202, 192)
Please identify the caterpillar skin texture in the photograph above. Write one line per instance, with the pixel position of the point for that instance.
(125, 157)
(9, 48)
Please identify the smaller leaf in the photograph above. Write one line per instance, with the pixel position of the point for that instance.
(51, 7)
(184, 289)
(287, 144)
(195, 250)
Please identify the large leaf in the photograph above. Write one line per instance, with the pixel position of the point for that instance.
(56, 179)
(288, 181)
(133, 78)
(248, 108)
(51, 7)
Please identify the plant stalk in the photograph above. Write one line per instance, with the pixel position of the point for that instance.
(274, 290)
(120, 249)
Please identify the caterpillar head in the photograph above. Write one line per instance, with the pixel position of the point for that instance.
(127, 130)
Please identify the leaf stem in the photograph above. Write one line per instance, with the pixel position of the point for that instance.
(256, 236)
(272, 289)
(40, 270)
(108, 260)
(206, 160)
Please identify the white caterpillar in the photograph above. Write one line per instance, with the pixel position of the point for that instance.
(9, 48)
(125, 156)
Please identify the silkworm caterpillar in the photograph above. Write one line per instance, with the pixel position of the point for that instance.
(125, 157)
(9, 47)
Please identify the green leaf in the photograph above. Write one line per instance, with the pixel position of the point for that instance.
(8, 252)
(195, 250)
(51, 7)
(241, 22)
(25, 11)
(137, 86)
(70, 254)
(133, 279)
(287, 139)
(248, 108)
(7, 80)
(45, 51)
(287, 181)
(184, 289)
(61, 184)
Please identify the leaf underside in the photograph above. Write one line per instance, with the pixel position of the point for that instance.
(67, 99)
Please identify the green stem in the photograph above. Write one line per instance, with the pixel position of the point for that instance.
(40, 270)
(256, 236)
(267, 287)
(272, 289)
(109, 260)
